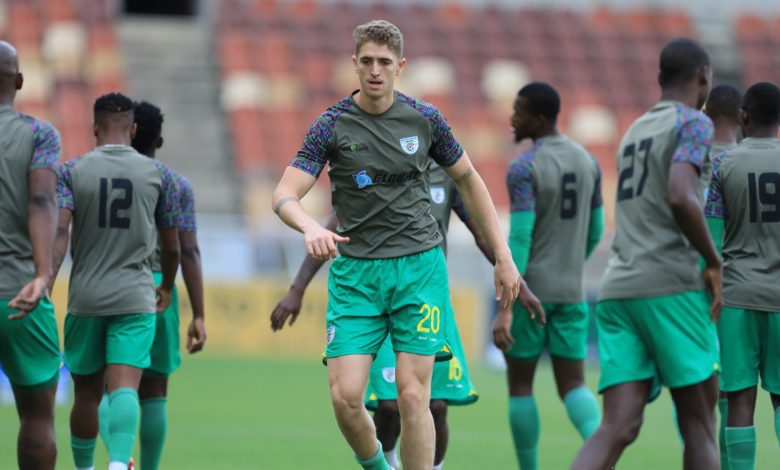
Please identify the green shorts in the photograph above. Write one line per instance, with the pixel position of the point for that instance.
(671, 337)
(30, 347)
(750, 347)
(403, 297)
(565, 335)
(91, 343)
(450, 381)
(165, 355)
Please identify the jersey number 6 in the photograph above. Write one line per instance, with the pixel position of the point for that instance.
(117, 204)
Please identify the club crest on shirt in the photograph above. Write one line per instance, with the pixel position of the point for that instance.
(437, 195)
(330, 333)
(388, 373)
(410, 144)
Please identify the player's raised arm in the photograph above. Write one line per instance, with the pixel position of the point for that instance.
(290, 305)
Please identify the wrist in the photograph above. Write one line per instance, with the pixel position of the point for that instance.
(296, 289)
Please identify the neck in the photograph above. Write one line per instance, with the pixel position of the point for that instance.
(680, 94)
(7, 100)
(547, 133)
(113, 138)
(763, 132)
(725, 133)
(374, 106)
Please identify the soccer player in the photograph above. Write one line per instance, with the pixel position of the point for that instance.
(557, 220)
(116, 198)
(391, 277)
(165, 357)
(653, 318)
(723, 107)
(450, 380)
(29, 346)
(744, 199)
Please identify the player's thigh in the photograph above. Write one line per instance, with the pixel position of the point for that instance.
(567, 331)
(530, 337)
(29, 347)
(682, 337)
(419, 302)
(770, 357)
(740, 349)
(129, 339)
(520, 375)
(356, 322)
(623, 355)
(381, 378)
(165, 355)
(413, 372)
(85, 344)
(348, 377)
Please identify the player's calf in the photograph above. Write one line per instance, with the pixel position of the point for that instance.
(36, 448)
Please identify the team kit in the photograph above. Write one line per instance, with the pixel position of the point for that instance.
(688, 299)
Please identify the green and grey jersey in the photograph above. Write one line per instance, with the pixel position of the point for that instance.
(186, 202)
(377, 171)
(118, 198)
(560, 182)
(445, 198)
(745, 192)
(28, 144)
(650, 255)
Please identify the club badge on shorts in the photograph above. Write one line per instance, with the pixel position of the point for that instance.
(437, 195)
(388, 373)
(330, 333)
(410, 144)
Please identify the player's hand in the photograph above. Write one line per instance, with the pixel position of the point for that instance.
(507, 281)
(321, 242)
(288, 307)
(27, 298)
(713, 278)
(502, 329)
(531, 304)
(163, 298)
(196, 335)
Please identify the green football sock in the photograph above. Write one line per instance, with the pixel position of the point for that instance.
(377, 462)
(103, 420)
(524, 421)
(154, 424)
(777, 425)
(723, 408)
(83, 451)
(741, 444)
(583, 411)
(122, 423)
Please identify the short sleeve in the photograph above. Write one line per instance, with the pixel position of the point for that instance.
(317, 145)
(167, 211)
(694, 140)
(459, 207)
(715, 207)
(520, 183)
(65, 185)
(186, 205)
(46, 141)
(446, 150)
(596, 200)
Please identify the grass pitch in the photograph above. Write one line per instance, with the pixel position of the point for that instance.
(250, 413)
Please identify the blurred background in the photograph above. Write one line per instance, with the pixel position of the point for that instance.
(240, 82)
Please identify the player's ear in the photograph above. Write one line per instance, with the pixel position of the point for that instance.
(19, 81)
(743, 119)
(159, 142)
(401, 66)
(354, 62)
(133, 130)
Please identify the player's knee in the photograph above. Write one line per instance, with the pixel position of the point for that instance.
(412, 399)
(387, 408)
(346, 401)
(626, 432)
(438, 410)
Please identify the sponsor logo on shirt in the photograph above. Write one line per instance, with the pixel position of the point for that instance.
(437, 195)
(410, 144)
(356, 147)
(362, 179)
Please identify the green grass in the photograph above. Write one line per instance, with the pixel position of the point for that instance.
(247, 413)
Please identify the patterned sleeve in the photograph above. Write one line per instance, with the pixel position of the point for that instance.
(520, 183)
(167, 212)
(47, 146)
(317, 145)
(596, 200)
(694, 140)
(186, 205)
(65, 185)
(459, 207)
(715, 207)
(446, 150)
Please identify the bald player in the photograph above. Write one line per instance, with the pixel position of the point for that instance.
(29, 346)
(744, 200)
(654, 316)
(117, 200)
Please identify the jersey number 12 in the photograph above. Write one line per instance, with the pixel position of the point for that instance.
(117, 204)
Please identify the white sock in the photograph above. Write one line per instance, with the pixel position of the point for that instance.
(392, 459)
(440, 466)
(117, 466)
